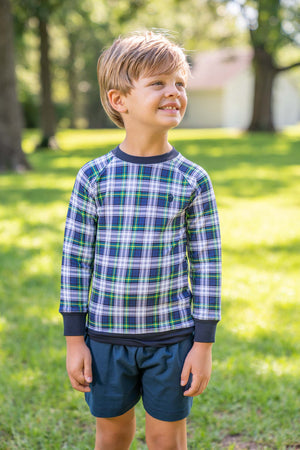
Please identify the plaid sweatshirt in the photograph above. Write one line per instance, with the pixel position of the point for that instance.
(142, 251)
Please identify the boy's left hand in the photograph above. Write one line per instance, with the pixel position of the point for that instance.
(199, 363)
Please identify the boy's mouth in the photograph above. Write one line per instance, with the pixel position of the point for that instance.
(169, 106)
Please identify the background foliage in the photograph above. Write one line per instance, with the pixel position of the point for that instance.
(79, 30)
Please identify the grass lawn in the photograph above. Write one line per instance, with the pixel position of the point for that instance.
(253, 397)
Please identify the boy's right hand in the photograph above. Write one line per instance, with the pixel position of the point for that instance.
(79, 363)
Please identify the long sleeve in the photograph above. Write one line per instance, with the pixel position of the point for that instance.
(78, 255)
(204, 254)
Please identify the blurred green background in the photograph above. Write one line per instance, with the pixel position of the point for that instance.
(252, 401)
(79, 30)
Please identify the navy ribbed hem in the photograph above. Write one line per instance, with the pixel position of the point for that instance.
(158, 339)
(205, 330)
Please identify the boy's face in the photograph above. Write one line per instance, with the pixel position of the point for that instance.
(157, 102)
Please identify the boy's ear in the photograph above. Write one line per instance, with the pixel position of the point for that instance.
(116, 99)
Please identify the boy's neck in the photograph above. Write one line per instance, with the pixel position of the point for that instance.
(141, 145)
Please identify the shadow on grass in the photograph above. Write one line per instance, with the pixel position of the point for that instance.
(38, 196)
(241, 157)
(249, 186)
(246, 153)
(256, 148)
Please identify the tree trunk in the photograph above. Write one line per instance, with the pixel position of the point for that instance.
(47, 107)
(265, 72)
(72, 79)
(12, 156)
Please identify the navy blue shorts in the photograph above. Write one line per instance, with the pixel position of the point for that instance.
(123, 374)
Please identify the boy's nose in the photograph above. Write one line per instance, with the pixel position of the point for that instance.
(172, 91)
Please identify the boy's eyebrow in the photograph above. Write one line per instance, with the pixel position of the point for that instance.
(159, 75)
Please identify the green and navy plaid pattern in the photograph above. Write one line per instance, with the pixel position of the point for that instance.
(142, 248)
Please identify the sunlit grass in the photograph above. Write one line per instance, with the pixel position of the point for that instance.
(254, 391)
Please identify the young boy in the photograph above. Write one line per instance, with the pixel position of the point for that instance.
(141, 270)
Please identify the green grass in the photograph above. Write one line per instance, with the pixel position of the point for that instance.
(253, 396)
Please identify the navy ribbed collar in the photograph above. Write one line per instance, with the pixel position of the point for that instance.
(145, 159)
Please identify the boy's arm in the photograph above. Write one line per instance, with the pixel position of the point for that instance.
(204, 254)
(78, 256)
(76, 275)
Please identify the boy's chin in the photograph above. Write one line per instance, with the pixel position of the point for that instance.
(171, 122)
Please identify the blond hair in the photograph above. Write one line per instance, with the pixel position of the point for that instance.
(144, 53)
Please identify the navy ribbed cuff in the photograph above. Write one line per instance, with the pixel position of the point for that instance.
(74, 324)
(205, 330)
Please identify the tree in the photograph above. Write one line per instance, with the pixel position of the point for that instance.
(48, 123)
(11, 154)
(100, 22)
(272, 25)
(24, 11)
(89, 21)
(87, 25)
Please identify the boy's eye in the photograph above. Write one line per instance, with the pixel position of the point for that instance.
(180, 84)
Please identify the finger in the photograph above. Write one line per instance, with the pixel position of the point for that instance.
(202, 386)
(79, 378)
(196, 382)
(185, 374)
(88, 375)
(78, 386)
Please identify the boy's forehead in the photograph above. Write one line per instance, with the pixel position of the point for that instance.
(159, 71)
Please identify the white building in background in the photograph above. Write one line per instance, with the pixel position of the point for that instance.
(221, 90)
